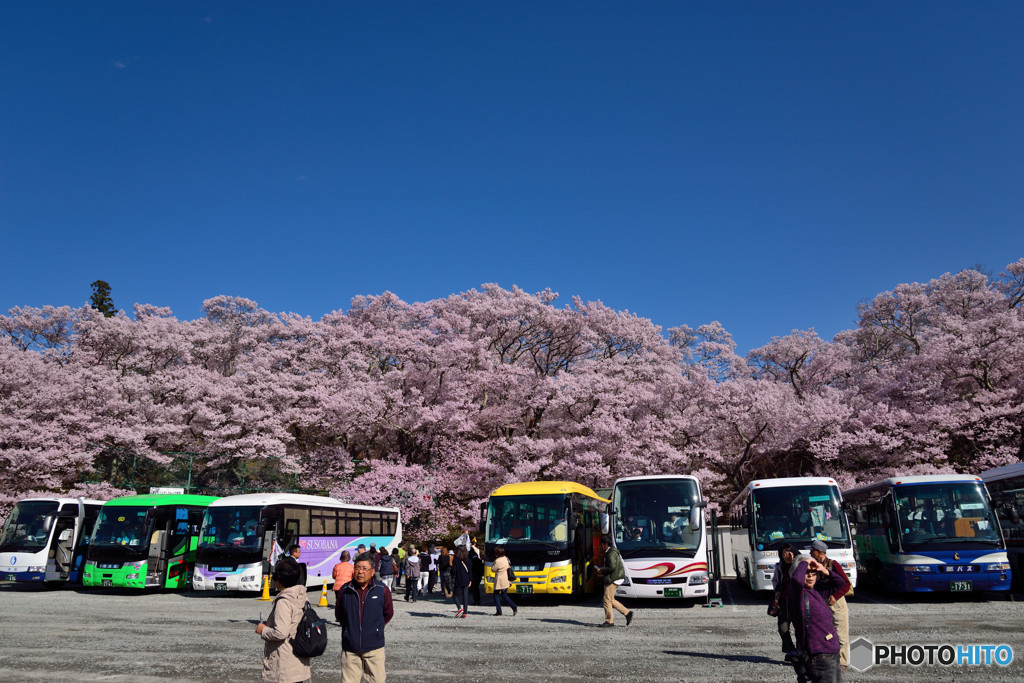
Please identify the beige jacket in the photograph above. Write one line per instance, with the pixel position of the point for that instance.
(500, 568)
(279, 664)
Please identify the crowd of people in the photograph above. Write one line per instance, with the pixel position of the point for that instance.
(809, 603)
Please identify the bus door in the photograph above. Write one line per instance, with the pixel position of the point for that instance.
(156, 564)
(268, 529)
(181, 537)
(62, 545)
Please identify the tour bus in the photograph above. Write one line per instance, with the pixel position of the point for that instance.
(550, 530)
(768, 513)
(145, 541)
(929, 533)
(1006, 487)
(659, 529)
(44, 539)
(243, 536)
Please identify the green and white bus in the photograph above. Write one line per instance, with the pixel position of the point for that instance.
(146, 541)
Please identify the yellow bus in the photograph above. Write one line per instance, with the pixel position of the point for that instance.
(551, 532)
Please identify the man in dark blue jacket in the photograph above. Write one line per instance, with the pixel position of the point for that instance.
(816, 636)
(364, 608)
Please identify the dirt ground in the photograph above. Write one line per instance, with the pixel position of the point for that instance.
(93, 635)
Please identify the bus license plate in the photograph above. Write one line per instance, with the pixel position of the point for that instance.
(959, 585)
(108, 583)
(673, 592)
(11, 577)
(220, 586)
(524, 588)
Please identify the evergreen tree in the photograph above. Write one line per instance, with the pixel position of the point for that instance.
(101, 299)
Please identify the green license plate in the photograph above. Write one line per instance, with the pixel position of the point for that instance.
(220, 586)
(524, 588)
(673, 592)
(959, 585)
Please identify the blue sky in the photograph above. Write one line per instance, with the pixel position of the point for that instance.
(767, 165)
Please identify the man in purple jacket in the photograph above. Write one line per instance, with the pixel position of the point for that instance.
(816, 636)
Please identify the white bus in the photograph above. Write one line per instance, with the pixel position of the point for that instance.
(660, 532)
(44, 539)
(769, 513)
(242, 536)
(1006, 488)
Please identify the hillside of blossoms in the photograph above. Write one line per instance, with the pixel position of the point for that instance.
(429, 406)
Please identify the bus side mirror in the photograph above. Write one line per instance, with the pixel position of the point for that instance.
(858, 516)
(886, 519)
(1014, 515)
(696, 512)
(746, 518)
(483, 518)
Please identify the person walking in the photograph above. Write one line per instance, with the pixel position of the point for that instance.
(779, 605)
(462, 576)
(342, 571)
(398, 557)
(816, 637)
(412, 574)
(836, 592)
(502, 582)
(364, 609)
(280, 664)
(614, 574)
(386, 568)
(424, 556)
(444, 569)
(477, 568)
(435, 555)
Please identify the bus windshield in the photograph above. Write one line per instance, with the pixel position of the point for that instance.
(25, 527)
(655, 515)
(121, 526)
(516, 519)
(230, 526)
(798, 515)
(944, 513)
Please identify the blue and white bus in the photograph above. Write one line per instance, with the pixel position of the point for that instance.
(769, 513)
(660, 532)
(45, 539)
(242, 536)
(933, 533)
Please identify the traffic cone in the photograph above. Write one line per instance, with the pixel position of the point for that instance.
(323, 596)
(266, 589)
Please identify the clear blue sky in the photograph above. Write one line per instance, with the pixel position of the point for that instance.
(767, 165)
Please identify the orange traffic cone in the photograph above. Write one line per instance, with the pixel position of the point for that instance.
(323, 597)
(266, 589)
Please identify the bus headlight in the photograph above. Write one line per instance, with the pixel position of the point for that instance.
(131, 577)
(918, 568)
(559, 579)
(36, 569)
(248, 579)
(698, 579)
(848, 566)
(997, 567)
(766, 567)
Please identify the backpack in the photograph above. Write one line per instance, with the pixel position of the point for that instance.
(311, 638)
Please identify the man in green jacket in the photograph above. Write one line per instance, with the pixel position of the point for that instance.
(614, 574)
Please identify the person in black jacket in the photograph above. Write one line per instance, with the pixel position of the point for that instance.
(478, 573)
(364, 609)
(463, 576)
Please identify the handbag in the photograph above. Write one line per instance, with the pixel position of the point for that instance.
(511, 574)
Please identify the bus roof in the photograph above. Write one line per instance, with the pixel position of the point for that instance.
(538, 488)
(916, 479)
(1004, 472)
(161, 500)
(44, 499)
(659, 476)
(270, 498)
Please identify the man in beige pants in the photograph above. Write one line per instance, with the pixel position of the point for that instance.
(614, 573)
(836, 601)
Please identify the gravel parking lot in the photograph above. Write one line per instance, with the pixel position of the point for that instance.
(93, 635)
